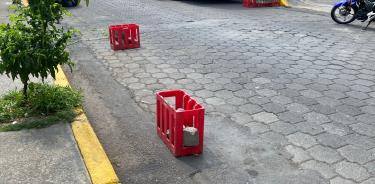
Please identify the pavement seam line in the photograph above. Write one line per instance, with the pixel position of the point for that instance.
(97, 163)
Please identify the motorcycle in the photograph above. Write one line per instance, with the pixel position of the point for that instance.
(346, 11)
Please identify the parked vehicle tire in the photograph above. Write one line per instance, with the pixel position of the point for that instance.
(343, 14)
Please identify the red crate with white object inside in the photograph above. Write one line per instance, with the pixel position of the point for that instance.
(176, 111)
(260, 3)
(124, 36)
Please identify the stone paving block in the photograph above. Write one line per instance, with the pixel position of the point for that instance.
(135, 86)
(250, 108)
(261, 80)
(328, 101)
(241, 118)
(283, 128)
(364, 82)
(340, 180)
(215, 101)
(327, 76)
(361, 88)
(311, 93)
(260, 100)
(336, 128)
(331, 140)
(356, 154)
(305, 100)
(364, 129)
(370, 167)
(357, 95)
(316, 118)
(214, 86)
(291, 117)
(166, 81)
(301, 139)
(226, 108)
(274, 138)
(244, 93)
(342, 118)
(369, 181)
(309, 128)
(296, 86)
(224, 94)
(233, 87)
(318, 87)
(204, 93)
(289, 93)
(257, 128)
(298, 108)
(365, 118)
(298, 154)
(339, 87)
(369, 109)
(324, 154)
(352, 171)
(323, 109)
(281, 100)
(273, 108)
(334, 94)
(223, 80)
(266, 92)
(370, 101)
(303, 81)
(236, 101)
(360, 141)
(343, 82)
(324, 169)
(265, 117)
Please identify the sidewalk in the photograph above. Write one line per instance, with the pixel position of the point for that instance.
(48, 155)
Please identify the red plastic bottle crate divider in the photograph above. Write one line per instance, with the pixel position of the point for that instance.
(170, 121)
(126, 36)
(260, 3)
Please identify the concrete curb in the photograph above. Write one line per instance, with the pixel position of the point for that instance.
(97, 163)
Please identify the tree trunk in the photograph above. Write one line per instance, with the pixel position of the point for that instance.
(25, 85)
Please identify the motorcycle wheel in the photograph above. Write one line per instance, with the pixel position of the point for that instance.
(343, 14)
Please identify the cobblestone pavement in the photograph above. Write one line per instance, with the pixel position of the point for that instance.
(316, 5)
(295, 90)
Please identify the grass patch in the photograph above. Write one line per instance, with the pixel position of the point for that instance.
(46, 105)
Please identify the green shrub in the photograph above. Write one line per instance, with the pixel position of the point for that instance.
(11, 106)
(50, 99)
(44, 100)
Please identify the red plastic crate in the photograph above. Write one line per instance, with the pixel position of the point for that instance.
(260, 3)
(124, 36)
(170, 121)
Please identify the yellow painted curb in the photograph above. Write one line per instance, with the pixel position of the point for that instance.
(94, 156)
